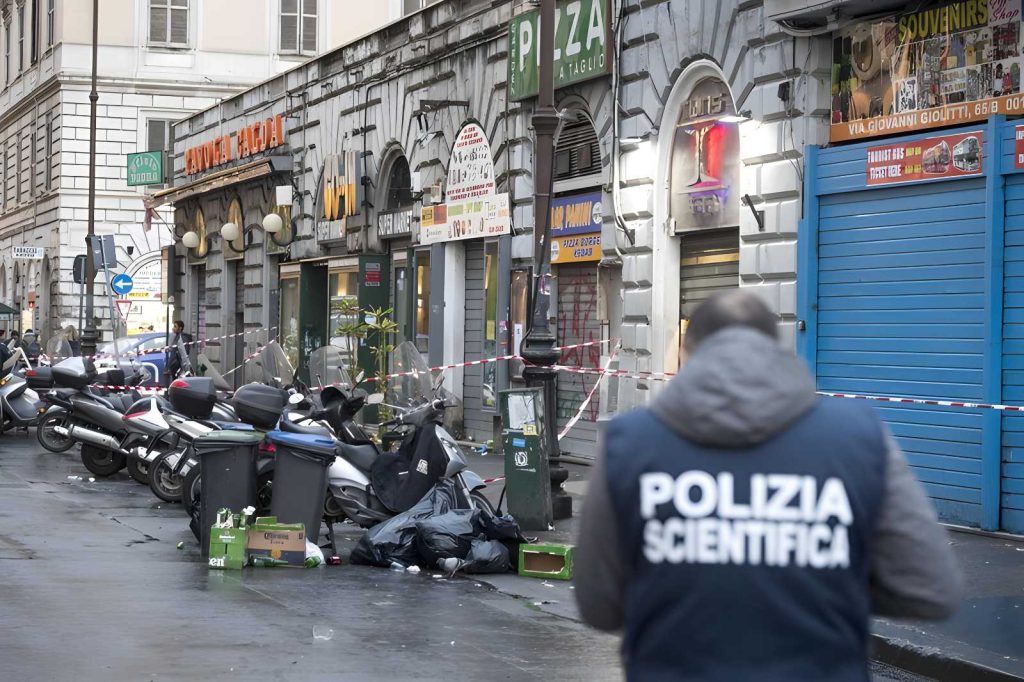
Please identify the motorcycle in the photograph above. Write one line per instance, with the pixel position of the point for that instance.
(41, 379)
(20, 406)
(368, 486)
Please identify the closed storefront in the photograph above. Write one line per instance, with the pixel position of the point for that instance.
(710, 262)
(911, 276)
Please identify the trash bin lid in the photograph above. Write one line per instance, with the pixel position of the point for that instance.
(319, 445)
(228, 438)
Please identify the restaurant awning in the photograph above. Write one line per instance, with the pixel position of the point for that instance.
(221, 179)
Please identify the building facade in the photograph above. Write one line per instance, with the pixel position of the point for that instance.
(158, 61)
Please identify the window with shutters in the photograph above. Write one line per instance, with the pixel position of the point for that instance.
(411, 6)
(168, 23)
(51, 24)
(34, 56)
(298, 26)
(21, 38)
(577, 151)
(7, 53)
(48, 151)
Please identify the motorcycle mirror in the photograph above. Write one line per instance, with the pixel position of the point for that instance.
(438, 382)
(360, 376)
(295, 398)
(375, 399)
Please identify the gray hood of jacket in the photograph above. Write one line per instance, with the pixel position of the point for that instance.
(738, 389)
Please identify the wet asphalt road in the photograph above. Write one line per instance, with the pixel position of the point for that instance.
(93, 588)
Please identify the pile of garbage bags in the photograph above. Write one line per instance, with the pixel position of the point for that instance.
(437, 533)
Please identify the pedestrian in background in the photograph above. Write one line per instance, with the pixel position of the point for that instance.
(71, 335)
(177, 362)
(15, 341)
(742, 528)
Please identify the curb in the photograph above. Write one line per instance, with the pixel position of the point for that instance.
(933, 663)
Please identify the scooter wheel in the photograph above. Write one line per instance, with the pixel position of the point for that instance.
(138, 470)
(102, 462)
(164, 483)
(190, 491)
(50, 439)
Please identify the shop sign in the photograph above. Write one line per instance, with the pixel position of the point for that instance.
(706, 160)
(470, 167)
(372, 276)
(1018, 147)
(469, 219)
(947, 156)
(391, 225)
(940, 66)
(339, 196)
(145, 168)
(582, 42)
(249, 140)
(147, 280)
(576, 228)
(27, 252)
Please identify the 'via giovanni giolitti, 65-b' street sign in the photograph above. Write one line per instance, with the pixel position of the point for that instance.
(582, 44)
(145, 168)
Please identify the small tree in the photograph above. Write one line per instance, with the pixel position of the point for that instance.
(353, 329)
(380, 330)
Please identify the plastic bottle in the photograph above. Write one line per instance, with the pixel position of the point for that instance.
(267, 562)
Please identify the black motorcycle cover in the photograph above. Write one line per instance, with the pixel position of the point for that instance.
(400, 479)
(394, 540)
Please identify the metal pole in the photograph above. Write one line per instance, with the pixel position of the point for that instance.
(539, 344)
(89, 336)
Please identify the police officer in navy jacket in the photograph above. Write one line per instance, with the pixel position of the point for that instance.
(743, 528)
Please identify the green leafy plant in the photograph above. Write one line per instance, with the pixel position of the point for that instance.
(380, 329)
(353, 327)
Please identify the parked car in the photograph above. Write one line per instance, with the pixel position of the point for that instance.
(145, 352)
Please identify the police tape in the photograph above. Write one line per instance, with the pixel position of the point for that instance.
(153, 351)
(590, 396)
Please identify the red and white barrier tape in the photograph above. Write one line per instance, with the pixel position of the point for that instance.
(922, 401)
(590, 396)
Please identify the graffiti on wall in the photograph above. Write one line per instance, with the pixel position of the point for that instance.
(578, 323)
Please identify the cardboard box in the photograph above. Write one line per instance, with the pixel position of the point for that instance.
(227, 548)
(546, 560)
(283, 541)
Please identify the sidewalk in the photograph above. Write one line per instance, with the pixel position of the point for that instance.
(983, 642)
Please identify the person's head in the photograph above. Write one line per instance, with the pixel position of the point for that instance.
(70, 333)
(178, 326)
(736, 308)
(3, 333)
(15, 334)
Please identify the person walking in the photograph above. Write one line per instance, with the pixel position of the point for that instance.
(742, 528)
(71, 335)
(177, 361)
(15, 340)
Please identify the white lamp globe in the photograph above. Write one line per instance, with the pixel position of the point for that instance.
(272, 223)
(190, 240)
(229, 232)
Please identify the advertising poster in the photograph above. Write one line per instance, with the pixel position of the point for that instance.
(938, 66)
(576, 228)
(470, 219)
(470, 168)
(946, 156)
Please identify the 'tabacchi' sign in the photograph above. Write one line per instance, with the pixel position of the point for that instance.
(249, 140)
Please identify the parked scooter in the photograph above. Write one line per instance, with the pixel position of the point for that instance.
(20, 406)
(368, 486)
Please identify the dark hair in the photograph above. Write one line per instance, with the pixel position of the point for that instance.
(736, 308)
(180, 323)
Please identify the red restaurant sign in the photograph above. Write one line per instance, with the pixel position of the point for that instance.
(947, 156)
(252, 139)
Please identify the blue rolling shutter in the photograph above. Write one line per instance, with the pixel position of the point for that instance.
(1012, 497)
(901, 313)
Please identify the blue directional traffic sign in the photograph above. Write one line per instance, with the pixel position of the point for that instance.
(121, 284)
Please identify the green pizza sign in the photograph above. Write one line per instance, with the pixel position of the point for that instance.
(145, 168)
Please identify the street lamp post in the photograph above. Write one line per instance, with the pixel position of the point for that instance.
(539, 345)
(89, 335)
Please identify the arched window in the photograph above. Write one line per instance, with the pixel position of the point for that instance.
(399, 186)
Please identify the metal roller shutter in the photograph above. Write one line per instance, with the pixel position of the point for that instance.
(578, 322)
(901, 313)
(1012, 490)
(710, 262)
(478, 423)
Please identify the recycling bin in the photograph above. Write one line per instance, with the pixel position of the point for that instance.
(300, 479)
(228, 479)
(527, 476)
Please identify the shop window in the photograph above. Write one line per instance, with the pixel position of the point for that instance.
(490, 322)
(168, 23)
(344, 289)
(422, 321)
(401, 303)
(288, 330)
(298, 26)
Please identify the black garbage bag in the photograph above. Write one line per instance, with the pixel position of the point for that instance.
(487, 556)
(394, 540)
(447, 536)
(504, 528)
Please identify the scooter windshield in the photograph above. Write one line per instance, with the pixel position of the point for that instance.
(271, 366)
(416, 386)
(58, 348)
(327, 368)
